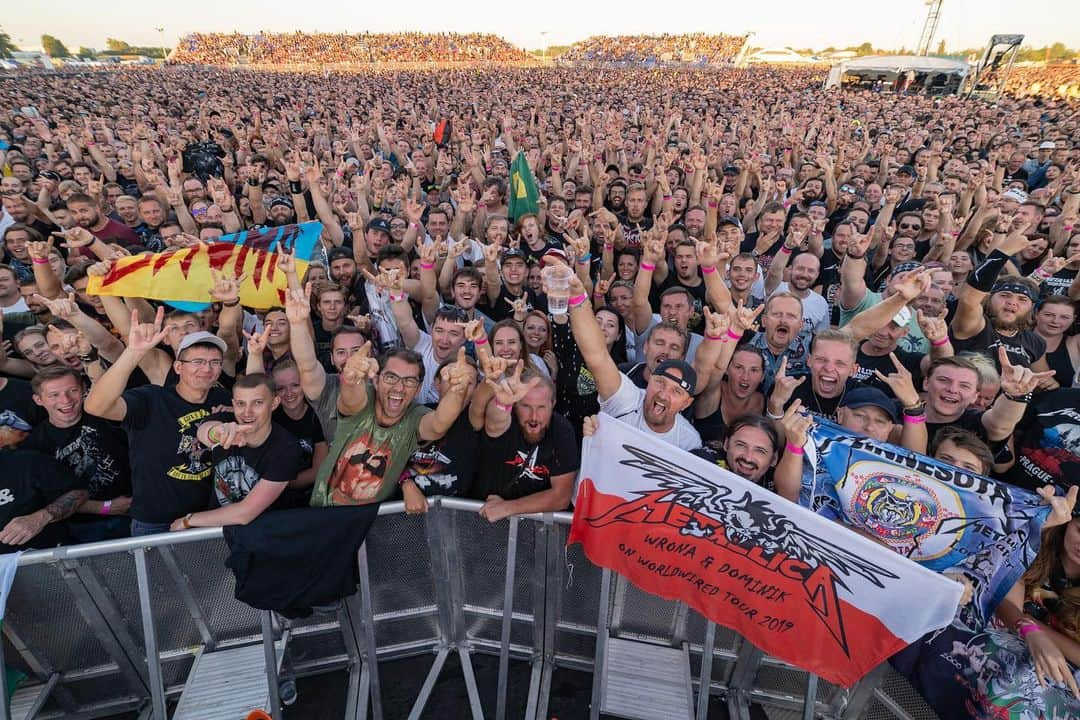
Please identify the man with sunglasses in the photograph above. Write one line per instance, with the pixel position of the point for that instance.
(170, 468)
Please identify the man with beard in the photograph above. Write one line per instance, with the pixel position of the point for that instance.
(380, 425)
(446, 338)
(529, 456)
(750, 450)
(656, 409)
(152, 214)
(801, 278)
(101, 227)
(764, 244)
(634, 221)
(665, 341)
(687, 276)
(1008, 317)
(342, 267)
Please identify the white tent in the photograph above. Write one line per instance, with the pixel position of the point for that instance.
(896, 64)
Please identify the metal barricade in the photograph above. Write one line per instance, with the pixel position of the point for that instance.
(115, 626)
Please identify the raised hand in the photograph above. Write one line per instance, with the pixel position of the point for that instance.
(61, 308)
(933, 328)
(256, 342)
(913, 284)
(520, 306)
(473, 330)
(744, 319)
(1061, 506)
(360, 367)
(226, 289)
(510, 389)
(784, 385)
(1018, 381)
(590, 425)
(143, 337)
(39, 249)
(459, 376)
(900, 382)
(716, 323)
(75, 238)
(797, 423)
(298, 303)
(858, 246)
(230, 435)
(360, 321)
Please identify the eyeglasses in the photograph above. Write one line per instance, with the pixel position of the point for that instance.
(909, 226)
(392, 378)
(200, 363)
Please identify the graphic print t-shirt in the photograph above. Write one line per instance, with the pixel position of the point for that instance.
(446, 466)
(366, 458)
(511, 468)
(170, 467)
(238, 469)
(18, 412)
(1048, 441)
(30, 481)
(95, 450)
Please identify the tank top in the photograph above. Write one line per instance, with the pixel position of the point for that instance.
(1060, 362)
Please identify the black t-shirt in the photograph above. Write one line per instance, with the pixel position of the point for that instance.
(18, 411)
(825, 407)
(323, 342)
(765, 259)
(1023, 348)
(575, 387)
(30, 481)
(511, 468)
(864, 374)
(1048, 441)
(502, 310)
(238, 469)
(1058, 283)
(170, 468)
(696, 323)
(308, 432)
(446, 466)
(95, 450)
(532, 257)
(636, 373)
(829, 280)
(632, 229)
(971, 421)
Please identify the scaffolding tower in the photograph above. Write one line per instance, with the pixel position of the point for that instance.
(929, 27)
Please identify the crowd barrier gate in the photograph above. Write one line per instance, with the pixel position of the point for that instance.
(116, 626)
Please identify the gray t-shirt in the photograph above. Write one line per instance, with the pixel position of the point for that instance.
(326, 406)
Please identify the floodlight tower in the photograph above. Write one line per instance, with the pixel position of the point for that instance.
(929, 27)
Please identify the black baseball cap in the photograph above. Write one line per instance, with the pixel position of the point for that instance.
(688, 379)
(728, 220)
(379, 223)
(906, 170)
(514, 253)
(338, 253)
(869, 396)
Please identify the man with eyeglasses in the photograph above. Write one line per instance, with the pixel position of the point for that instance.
(170, 468)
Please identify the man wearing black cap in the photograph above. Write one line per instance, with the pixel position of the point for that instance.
(281, 212)
(506, 284)
(657, 408)
(1008, 318)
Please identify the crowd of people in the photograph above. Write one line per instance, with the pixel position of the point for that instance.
(745, 254)
(692, 48)
(1062, 81)
(335, 48)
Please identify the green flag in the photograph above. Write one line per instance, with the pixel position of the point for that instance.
(523, 190)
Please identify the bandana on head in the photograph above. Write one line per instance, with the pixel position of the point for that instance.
(1015, 287)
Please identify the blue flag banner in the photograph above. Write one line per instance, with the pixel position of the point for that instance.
(942, 517)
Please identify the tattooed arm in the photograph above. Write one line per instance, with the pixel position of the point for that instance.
(22, 529)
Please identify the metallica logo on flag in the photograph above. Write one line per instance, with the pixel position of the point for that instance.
(942, 517)
(800, 587)
(181, 277)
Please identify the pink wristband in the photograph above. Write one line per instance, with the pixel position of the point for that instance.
(39, 261)
(785, 249)
(713, 204)
(608, 247)
(708, 269)
(504, 408)
(733, 335)
(106, 507)
(1028, 628)
(1043, 274)
(647, 266)
(577, 300)
(794, 449)
(914, 419)
(481, 341)
(713, 337)
(427, 266)
(397, 298)
(939, 343)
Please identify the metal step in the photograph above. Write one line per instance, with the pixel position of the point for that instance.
(26, 699)
(643, 681)
(226, 684)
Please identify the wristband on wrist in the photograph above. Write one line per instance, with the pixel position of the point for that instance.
(1043, 273)
(785, 249)
(713, 204)
(106, 507)
(666, 198)
(1026, 628)
(397, 298)
(708, 269)
(39, 261)
(1025, 398)
(773, 416)
(234, 303)
(584, 259)
(211, 435)
(504, 408)
(939, 343)
(555, 169)
(914, 419)
(91, 144)
(253, 182)
(734, 335)
(415, 225)
(794, 449)
(427, 266)
(713, 337)
(91, 356)
(295, 188)
(577, 300)
(647, 266)
(480, 341)
(1068, 228)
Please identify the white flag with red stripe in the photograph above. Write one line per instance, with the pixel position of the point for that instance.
(802, 588)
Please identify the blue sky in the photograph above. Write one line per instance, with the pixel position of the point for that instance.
(964, 23)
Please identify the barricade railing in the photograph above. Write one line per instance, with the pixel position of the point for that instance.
(108, 627)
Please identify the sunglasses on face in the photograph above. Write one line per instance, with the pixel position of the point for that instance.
(909, 226)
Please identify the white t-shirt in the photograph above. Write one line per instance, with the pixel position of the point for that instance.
(638, 354)
(815, 309)
(426, 350)
(625, 405)
(18, 307)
